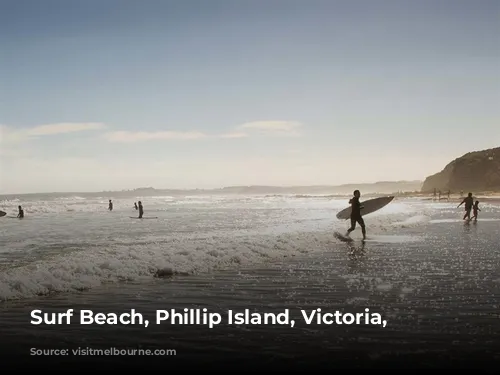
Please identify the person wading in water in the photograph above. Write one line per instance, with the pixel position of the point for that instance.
(469, 202)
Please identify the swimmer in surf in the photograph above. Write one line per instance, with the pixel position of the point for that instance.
(20, 215)
(356, 214)
(469, 202)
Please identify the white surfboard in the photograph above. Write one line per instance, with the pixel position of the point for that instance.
(369, 206)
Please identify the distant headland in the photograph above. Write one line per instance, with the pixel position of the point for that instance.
(477, 171)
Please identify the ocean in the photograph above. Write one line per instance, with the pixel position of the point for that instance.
(434, 279)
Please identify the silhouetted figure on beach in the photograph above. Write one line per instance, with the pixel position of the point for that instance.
(475, 210)
(449, 192)
(20, 215)
(110, 207)
(469, 202)
(141, 210)
(135, 206)
(356, 214)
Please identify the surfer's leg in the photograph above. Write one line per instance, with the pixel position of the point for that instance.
(363, 227)
(353, 225)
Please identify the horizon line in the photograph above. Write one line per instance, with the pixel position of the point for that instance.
(220, 188)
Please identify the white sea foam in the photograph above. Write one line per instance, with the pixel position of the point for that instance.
(93, 267)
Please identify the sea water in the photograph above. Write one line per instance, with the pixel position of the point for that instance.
(434, 278)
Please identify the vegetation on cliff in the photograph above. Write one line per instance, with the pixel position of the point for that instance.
(477, 171)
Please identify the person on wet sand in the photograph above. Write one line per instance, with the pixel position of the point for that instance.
(469, 202)
(475, 210)
(141, 210)
(20, 215)
(356, 214)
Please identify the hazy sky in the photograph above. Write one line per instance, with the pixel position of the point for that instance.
(102, 95)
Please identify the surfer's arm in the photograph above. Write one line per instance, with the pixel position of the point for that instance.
(461, 203)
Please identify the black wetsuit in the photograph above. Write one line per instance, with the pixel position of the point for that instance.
(141, 211)
(21, 214)
(356, 216)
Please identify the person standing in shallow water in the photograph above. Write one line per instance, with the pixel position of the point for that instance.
(20, 215)
(469, 202)
(356, 214)
(135, 206)
(141, 210)
(110, 207)
(475, 210)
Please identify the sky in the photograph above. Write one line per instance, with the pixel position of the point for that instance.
(119, 94)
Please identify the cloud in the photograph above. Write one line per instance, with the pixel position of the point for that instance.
(129, 137)
(273, 128)
(266, 128)
(7, 135)
(13, 135)
(233, 135)
(62, 128)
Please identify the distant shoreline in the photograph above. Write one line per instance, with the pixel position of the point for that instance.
(381, 187)
(399, 189)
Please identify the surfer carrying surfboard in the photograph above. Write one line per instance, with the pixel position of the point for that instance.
(356, 214)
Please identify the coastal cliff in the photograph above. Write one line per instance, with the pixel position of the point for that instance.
(477, 171)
